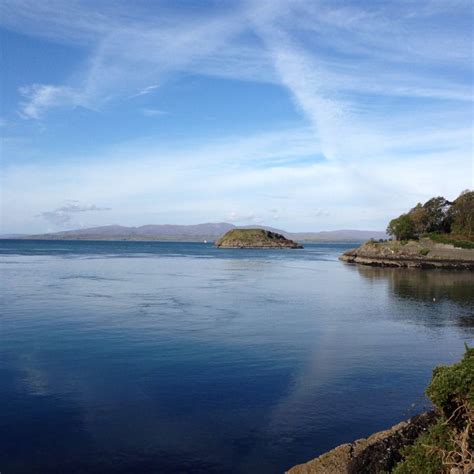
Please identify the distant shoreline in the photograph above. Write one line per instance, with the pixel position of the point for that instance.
(164, 240)
(192, 233)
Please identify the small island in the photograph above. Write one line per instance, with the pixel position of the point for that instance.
(255, 239)
(436, 234)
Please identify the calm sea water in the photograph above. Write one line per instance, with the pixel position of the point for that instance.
(135, 357)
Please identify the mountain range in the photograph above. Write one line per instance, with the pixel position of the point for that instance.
(195, 233)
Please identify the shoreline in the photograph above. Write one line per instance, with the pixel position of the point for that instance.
(422, 254)
(379, 452)
(407, 263)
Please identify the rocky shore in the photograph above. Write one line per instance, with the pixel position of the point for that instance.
(423, 253)
(376, 454)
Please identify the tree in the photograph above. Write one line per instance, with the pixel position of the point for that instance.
(436, 215)
(419, 219)
(461, 215)
(431, 216)
(402, 228)
(436, 210)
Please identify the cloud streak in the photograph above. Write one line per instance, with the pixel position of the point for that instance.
(149, 112)
(133, 49)
(146, 90)
(332, 59)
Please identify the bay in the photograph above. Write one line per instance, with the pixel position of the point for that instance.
(179, 357)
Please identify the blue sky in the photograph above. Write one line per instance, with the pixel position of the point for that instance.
(303, 115)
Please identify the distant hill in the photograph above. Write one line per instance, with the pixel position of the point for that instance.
(195, 233)
(165, 232)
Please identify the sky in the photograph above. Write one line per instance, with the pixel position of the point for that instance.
(301, 115)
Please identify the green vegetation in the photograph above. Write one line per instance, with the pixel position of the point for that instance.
(448, 446)
(461, 215)
(452, 239)
(437, 216)
(402, 227)
(247, 235)
(424, 252)
(260, 238)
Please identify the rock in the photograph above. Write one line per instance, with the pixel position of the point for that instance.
(375, 455)
(423, 253)
(255, 238)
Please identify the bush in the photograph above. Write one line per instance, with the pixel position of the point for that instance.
(453, 386)
(419, 459)
(451, 240)
(448, 445)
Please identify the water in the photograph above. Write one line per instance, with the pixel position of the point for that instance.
(134, 357)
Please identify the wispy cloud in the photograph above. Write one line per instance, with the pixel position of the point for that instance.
(332, 92)
(128, 54)
(39, 98)
(73, 206)
(146, 90)
(320, 213)
(329, 57)
(243, 217)
(150, 112)
(63, 215)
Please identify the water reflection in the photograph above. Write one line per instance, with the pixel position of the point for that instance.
(425, 285)
(450, 294)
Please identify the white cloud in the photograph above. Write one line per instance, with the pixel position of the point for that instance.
(365, 194)
(41, 97)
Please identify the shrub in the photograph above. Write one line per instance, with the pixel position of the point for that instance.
(453, 386)
(421, 460)
(448, 446)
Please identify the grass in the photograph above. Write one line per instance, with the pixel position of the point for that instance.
(455, 240)
(255, 238)
(250, 235)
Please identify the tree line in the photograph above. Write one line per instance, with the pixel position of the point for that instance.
(437, 215)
